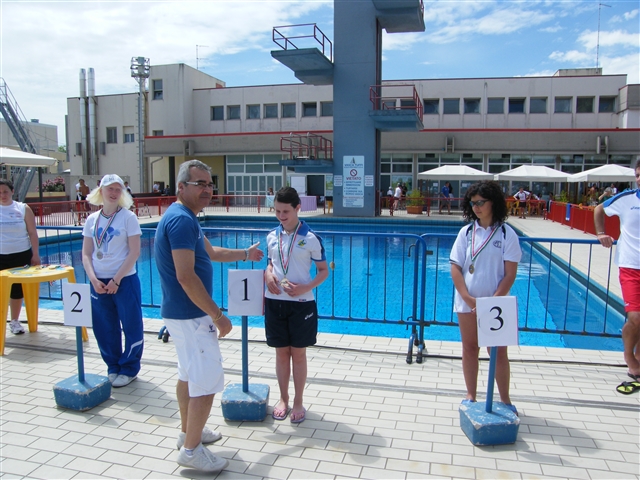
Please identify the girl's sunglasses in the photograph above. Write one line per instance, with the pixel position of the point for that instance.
(478, 203)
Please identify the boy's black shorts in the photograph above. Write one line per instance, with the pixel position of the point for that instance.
(290, 324)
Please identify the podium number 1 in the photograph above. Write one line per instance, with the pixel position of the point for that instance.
(241, 282)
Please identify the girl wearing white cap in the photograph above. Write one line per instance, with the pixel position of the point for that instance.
(110, 249)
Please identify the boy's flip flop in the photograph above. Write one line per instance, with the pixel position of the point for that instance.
(627, 388)
(300, 419)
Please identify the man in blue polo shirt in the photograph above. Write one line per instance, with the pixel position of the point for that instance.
(183, 256)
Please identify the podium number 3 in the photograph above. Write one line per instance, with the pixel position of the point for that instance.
(497, 317)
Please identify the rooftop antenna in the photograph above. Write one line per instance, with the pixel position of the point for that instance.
(600, 5)
(207, 46)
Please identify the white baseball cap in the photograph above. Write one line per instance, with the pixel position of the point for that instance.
(111, 179)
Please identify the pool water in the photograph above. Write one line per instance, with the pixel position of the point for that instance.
(373, 280)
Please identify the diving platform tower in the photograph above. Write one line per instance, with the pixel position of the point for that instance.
(362, 106)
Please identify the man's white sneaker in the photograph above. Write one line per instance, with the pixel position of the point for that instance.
(202, 459)
(208, 436)
(112, 377)
(16, 327)
(122, 381)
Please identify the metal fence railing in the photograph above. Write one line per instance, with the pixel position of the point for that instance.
(384, 280)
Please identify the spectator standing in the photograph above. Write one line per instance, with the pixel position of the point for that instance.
(521, 196)
(18, 245)
(626, 205)
(397, 195)
(183, 258)
(446, 200)
(110, 249)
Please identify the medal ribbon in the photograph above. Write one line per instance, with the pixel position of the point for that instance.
(474, 252)
(100, 238)
(285, 265)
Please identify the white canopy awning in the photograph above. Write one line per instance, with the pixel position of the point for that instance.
(605, 173)
(533, 173)
(454, 172)
(23, 159)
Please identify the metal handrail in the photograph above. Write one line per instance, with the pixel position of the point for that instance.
(380, 101)
(277, 36)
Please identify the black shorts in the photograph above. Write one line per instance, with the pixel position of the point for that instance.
(13, 260)
(522, 204)
(290, 324)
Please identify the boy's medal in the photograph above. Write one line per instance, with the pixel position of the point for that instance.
(285, 264)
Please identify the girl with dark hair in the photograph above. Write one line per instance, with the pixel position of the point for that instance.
(484, 261)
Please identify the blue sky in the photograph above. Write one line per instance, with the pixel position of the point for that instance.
(45, 43)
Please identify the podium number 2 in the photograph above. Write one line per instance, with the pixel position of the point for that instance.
(497, 317)
(75, 308)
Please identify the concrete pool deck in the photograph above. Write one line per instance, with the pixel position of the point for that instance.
(370, 414)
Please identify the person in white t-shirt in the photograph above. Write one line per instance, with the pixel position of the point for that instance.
(521, 196)
(484, 261)
(110, 249)
(626, 206)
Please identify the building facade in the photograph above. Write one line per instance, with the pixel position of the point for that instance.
(572, 121)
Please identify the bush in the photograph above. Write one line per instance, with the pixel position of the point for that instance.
(414, 198)
(55, 185)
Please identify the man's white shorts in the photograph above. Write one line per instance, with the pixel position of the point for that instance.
(199, 358)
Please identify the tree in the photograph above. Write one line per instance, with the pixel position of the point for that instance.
(62, 148)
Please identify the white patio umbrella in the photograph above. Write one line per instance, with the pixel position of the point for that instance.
(23, 159)
(533, 173)
(455, 172)
(605, 173)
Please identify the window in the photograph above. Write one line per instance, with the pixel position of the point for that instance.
(158, 133)
(563, 105)
(495, 105)
(326, 109)
(271, 110)
(607, 104)
(233, 112)
(288, 110)
(431, 106)
(471, 105)
(129, 136)
(157, 89)
(253, 111)
(516, 105)
(451, 105)
(309, 109)
(112, 135)
(538, 105)
(584, 105)
(217, 113)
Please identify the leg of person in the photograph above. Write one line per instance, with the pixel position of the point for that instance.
(299, 360)
(304, 327)
(631, 341)
(14, 260)
(470, 351)
(128, 301)
(107, 330)
(283, 373)
(15, 306)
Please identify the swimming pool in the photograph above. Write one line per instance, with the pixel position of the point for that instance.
(374, 282)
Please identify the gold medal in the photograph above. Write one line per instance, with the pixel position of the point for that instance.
(472, 268)
(99, 255)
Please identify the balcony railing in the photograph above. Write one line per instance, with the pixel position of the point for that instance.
(284, 37)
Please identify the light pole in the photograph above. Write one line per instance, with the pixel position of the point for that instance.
(140, 71)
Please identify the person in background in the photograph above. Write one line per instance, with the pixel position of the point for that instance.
(183, 257)
(606, 195)
(521, 196)
(128, 188)
(446, 201)
(626, 206)
(397, 195)
(484, 262)
(18, 245)
(290, 312)
(270, 197)
(110, 249)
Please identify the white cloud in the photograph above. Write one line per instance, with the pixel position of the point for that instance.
(629, 64)
(400, 41)
(631, 15)
(554, 29)
(626, 16)
(608, 39)
(573, 56)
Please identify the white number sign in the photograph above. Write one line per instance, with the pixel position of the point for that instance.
(246, 292)
(497, 321)
(76, 299)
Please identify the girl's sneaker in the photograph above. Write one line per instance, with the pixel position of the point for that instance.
(16, 327)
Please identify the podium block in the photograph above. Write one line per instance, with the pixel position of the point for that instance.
(75, 395)
(250, 406)
(496, 428)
